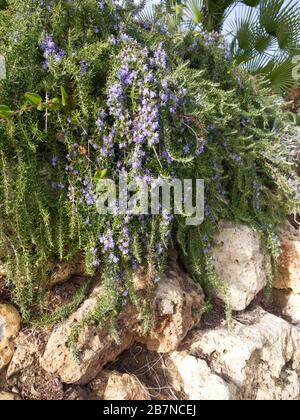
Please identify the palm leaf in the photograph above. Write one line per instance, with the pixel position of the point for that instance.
(193, 11)
(147, 13)
(242, 29)
(281, 76)
(275, 12)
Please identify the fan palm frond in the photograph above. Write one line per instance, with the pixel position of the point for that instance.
(281, 76)
(192, 11)
(275, 12)
(146, 14)
(242, 28)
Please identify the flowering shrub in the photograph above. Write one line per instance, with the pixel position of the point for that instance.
(87, 97)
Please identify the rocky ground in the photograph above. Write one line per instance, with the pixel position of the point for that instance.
(187, 354)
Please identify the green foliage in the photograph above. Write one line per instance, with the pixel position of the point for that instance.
(263, 39)
(266, 39)
(70, 118)
(63, 312)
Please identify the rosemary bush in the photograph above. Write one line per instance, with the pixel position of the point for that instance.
(91, 92)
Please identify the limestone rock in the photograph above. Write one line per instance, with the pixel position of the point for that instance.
(260, 356)
(27, 349)
(288, 276)
(26, 375)
(96, 347)
(98, 385)
(10, 322)
(292, 308)
(63, 271)
(3, 272)
(176, 308)
(9, 396)
(124, 387)
(198, 382)
(287, 304)
(240, 262)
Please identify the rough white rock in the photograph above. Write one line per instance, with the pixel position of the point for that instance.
(9, 396)
(3, 272)
(240, 262)
(288, 304)
(63, 271)
(10, 322)
(288, 276)
(96, 347)
(198, 382)
(260, 355)
(124, 387)
(24, 357)
(292, 308)
(176, 308)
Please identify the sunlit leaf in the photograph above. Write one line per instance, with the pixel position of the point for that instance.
(100, 174)
(33, 98)
(64, 96)
(5, 111)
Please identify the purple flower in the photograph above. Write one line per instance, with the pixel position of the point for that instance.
(115, 100)
(57, 185)
(257, 193)
(124, 241)
(48, 45)
(100, 120)
(107, 240)
(215, 178)
(227, 54)
(186, 149)
(146, 124)
(166, 157)
(59, 55)
(199, 151)
(50, 50)
(167, 216)
(125, 75)
(150, 78)
(124, 38)
(89, 198)
(54, 161)
(245, 121)
(45, 65)
(160, 57)
(113, 258)
(83, 67)
(96, 263)
(235, 157)
(102, 4)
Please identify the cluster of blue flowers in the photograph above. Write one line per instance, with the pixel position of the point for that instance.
(257, 193)
(128, 135)
(212, 39)
(102, 4)
(50, 50)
